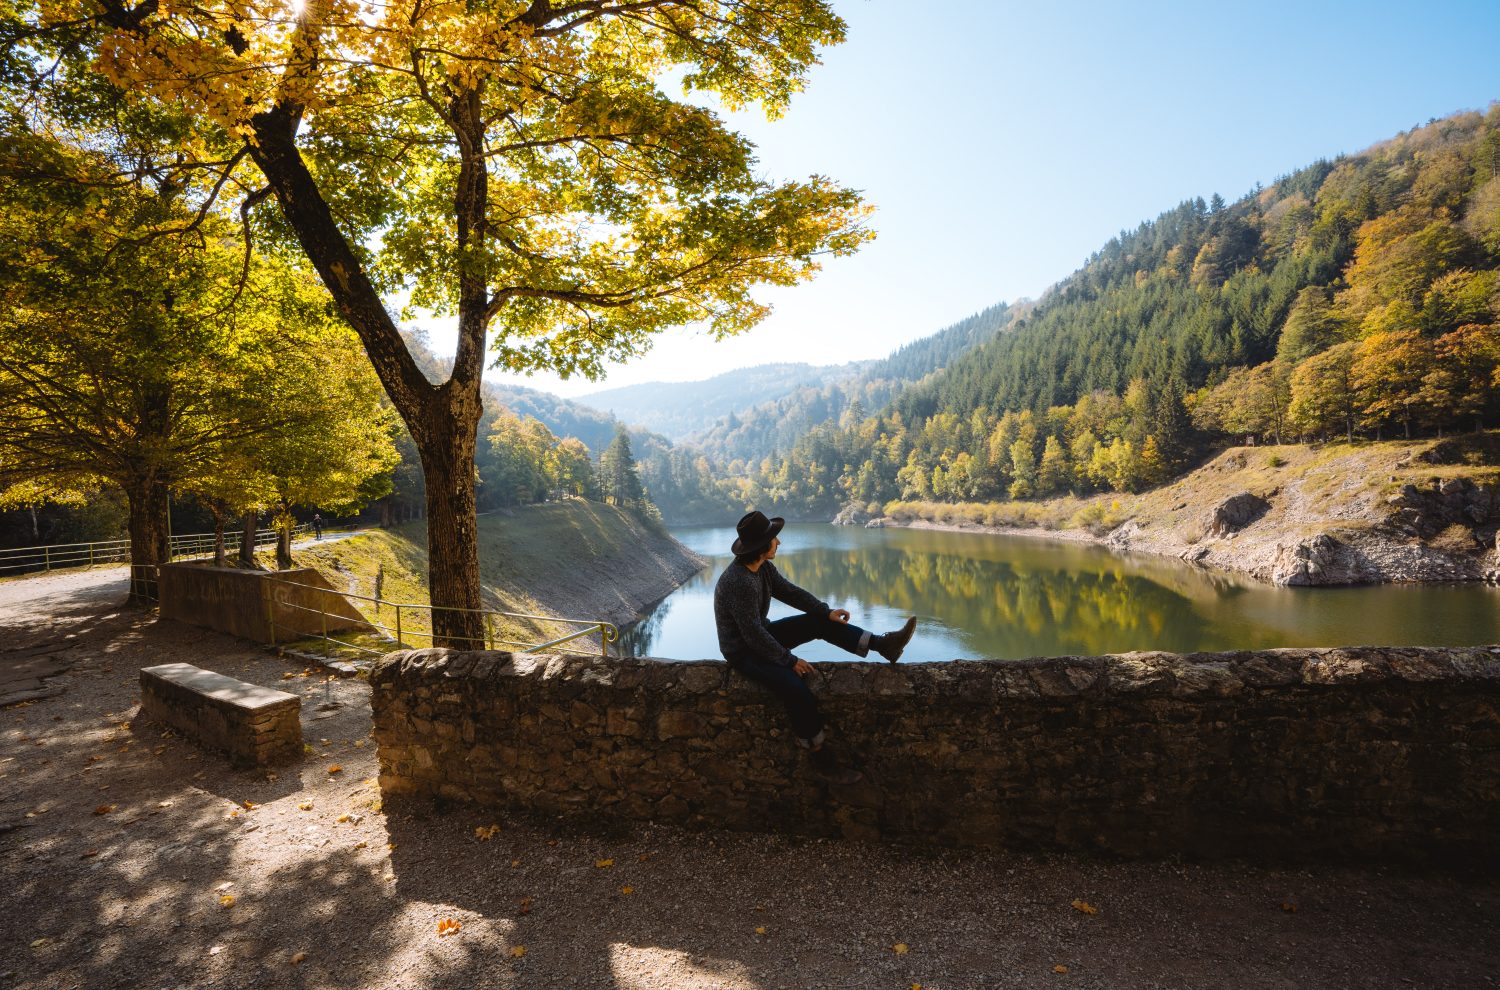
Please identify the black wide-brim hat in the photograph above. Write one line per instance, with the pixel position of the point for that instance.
(755, 532)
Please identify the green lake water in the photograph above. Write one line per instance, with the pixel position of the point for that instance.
(979, 595)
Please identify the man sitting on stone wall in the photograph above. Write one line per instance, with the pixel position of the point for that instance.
(762, 650)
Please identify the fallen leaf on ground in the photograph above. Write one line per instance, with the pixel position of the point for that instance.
(299, 959)
(627, 891)
(361, 845)
(448, 926)
(525, 907)
(104, 809)
(305, 806)
(226, 900)
(485, 834)
(900, 948)
(341, 819)
(518, 951)
(761, 930)
(604, 864)
(1085, 907)
(38, 943)
(249, 805)
(514, 863)
(1289, 907)
(1060, 969)
(643, 857)
(335, 769)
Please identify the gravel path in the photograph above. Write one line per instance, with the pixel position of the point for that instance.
(118, 843)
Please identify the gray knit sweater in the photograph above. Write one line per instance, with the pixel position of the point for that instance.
(742, 600)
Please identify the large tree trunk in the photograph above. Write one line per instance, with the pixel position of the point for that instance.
(285, 523)
(452, 530)
(150, 543)
(218, 509)
(443, 419)
(247, 542)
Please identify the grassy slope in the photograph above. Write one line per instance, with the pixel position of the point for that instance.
(1314, 487)
(575, 559)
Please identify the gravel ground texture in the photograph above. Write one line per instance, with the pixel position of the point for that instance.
(129, 858)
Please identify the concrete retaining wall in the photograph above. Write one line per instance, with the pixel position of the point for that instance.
(245, 603)
(1352, 753)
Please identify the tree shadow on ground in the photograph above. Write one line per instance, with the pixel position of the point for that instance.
(131, 896)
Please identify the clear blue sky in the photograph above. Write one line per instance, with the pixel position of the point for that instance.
(1003, 142)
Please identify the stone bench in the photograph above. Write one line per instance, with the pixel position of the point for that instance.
(253, 725)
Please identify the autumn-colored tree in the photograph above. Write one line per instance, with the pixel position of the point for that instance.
(1388, 373)
(510, 164)
(1462, 382)
(1398, 257)
(133, 355)
(1054, 474)
(1323, 393)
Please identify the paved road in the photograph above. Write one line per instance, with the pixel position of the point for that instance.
(43, 614)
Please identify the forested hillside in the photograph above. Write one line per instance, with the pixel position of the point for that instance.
(1355, 297)
(769, 429)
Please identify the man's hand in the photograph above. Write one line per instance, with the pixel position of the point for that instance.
(802, 667)
(839, 615)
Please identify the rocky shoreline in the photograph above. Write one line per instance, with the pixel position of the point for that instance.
(1349, 520)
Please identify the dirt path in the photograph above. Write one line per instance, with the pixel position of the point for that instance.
(118, 842)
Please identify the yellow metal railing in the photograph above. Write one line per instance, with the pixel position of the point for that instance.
(400, 631)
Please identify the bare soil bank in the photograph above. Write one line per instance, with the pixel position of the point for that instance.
(1298, 515)
(572, 558)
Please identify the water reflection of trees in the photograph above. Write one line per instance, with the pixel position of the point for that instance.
(1010, 607)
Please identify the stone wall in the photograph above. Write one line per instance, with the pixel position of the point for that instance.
(1352, 753)
(252, 725)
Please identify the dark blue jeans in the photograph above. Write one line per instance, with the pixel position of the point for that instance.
(784, 683)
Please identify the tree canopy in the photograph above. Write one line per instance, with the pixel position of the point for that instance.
(511, 164)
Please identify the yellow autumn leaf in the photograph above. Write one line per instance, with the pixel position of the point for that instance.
(448, 926)
(249, 805)
(761, 930)
(299, 959)
(486, 833)
(1060, 969)
(900, 948)
(226, 900)
(604, 864)
(104, 809)
(335, 769)
(1084, 907)
(305, 806)
(518, 951)
(341, 819)
(627, 891)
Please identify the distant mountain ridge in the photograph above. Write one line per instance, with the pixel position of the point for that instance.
(679, 409)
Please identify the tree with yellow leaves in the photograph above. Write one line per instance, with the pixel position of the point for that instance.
(511, 164)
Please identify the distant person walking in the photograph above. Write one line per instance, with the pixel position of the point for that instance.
(762, 650)
(317, 526)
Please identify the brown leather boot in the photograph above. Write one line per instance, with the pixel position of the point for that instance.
(891, 644)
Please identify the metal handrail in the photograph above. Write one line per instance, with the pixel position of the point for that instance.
(608, 632)
(60, 556)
